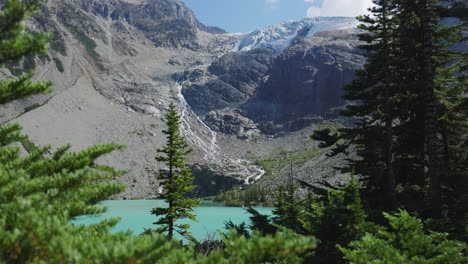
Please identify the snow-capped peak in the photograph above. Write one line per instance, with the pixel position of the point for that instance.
(278, 37)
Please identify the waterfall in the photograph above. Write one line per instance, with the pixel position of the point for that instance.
(208, 146)
(208, 142)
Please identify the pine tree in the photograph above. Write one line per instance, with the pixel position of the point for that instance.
(42, 192)
(413, 89)
(288, 207)
(374, 90)
(405, 241)
(452, 83)
(338, 219)
(260, 222)
(15, 43)
(431, 140)
(177, 181)
(440, 77)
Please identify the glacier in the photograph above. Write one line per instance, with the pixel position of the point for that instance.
(279, 37)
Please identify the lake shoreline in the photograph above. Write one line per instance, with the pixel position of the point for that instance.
(136, 216)
(222, 203)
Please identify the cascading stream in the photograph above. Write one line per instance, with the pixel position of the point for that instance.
(208, 142)
(210, 148)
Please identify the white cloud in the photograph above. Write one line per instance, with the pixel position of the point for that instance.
(273, 4)
(350, 8)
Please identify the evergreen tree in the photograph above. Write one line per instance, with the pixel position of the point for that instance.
(261, 223)
(177, 181)
(431, 139)
(42, 192)
(405, 242)
(15, 43)
(439, 74)
(413, 89)
(288, 208)
(374, 90)
(451, 64)
(339, 219)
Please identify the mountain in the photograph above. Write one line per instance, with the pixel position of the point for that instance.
(279, 37)
(246, 100)
(290, 89)
(166, 22)
(308, 77)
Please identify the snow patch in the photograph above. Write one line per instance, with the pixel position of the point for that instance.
(279, 37)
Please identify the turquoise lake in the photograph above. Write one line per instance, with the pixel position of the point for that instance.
(135, 216)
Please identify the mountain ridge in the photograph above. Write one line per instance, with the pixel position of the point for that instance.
(113, 81)
(280, 36)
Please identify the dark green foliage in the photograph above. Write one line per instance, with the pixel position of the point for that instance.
(410, 111)
(261, 223)
(21, 87)
(240, 229)
(279, 248)
(15, 43)
(40, 193)
(58, 64)
(82, 27)
(336, 219)
(288, 209)
(19, 67)
(57, 43)
(28, 145)
(251, 195)
(326, 138)
(339, 219)
(177, 181)
(89, 45)
(210, 183)
(405, 241)
(340, 223)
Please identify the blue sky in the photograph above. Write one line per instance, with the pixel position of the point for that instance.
(247, 15)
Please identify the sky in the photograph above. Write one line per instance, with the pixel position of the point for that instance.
(247, 15)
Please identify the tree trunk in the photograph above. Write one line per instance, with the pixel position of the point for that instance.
(391, 183)
(170, 232)
(430, 115)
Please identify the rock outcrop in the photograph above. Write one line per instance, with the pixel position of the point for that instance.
(307, 79)
(278, 92)
(168, 23)
(229, 81)
(234, 124)
(117, 64)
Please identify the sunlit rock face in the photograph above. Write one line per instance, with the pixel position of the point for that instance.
(229, 81)
(168, 23)
(308, 77)
(117, 64)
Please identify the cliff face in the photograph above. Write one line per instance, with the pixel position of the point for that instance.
(304, 82)
(117, 64)
(308, 77)
(229, 81)
(167, 23)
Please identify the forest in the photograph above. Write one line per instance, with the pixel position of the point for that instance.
(406, 200)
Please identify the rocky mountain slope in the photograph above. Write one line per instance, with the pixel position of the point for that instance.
(307, 78)
(117, 64)
(279, 37)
